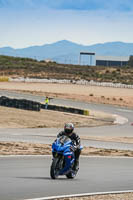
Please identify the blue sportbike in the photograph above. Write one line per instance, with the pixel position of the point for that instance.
(63, 158)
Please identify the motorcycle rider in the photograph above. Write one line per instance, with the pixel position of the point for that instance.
(69, 131)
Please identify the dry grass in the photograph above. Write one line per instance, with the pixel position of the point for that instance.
(27, 67)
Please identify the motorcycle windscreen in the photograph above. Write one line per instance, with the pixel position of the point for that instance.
(64, 139)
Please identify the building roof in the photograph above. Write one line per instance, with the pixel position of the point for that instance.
(113, 58)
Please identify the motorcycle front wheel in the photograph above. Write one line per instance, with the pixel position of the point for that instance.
(54, 168)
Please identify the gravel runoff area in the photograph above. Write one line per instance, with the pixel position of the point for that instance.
(18, 118)
(22, 148)
(123, 196)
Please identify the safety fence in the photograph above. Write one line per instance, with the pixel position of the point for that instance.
(37, 106)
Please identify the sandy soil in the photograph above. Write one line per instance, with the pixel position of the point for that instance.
(127, 140)
(17, 118)
(117, 96)
(124, 196)
(21, 148)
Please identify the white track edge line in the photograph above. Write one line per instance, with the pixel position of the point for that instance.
(81, 195)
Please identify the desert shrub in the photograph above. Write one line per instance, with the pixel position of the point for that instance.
(118, 70)
(120, 99)
(130, 62)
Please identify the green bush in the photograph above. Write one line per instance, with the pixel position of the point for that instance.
(130, 62)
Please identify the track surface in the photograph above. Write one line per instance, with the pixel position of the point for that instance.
(28, 177)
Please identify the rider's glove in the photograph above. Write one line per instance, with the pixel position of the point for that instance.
(73, 148)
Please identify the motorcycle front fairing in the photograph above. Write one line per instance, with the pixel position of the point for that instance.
(59, 147)
(64, 149)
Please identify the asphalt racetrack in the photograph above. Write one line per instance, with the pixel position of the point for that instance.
(24, 177)
(28, 177)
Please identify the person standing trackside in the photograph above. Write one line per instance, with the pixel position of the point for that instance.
(46, 102)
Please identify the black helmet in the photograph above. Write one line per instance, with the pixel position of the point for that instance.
(68, 128)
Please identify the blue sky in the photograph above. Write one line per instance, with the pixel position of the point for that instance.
(26, 23)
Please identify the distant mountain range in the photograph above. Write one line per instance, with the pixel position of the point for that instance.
(68, 52)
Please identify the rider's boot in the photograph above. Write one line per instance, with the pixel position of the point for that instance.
(76, 165)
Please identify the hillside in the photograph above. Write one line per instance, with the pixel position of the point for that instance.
(25, 67)
(68, 52)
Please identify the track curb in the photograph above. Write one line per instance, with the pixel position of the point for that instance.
(81, 195)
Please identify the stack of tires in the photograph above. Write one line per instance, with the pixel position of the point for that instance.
(64, 109)
(4, 101)
(20, 103)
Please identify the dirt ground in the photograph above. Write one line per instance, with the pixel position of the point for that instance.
(124, 196)
(17, 118)
(22, 148)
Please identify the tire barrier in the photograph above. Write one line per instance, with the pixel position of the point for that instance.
(78, 82)
(66, 109)
(86, 112)
(20, 103)
(36, 106)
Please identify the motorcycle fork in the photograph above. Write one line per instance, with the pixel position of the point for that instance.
(61, 159)
(61, 162)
